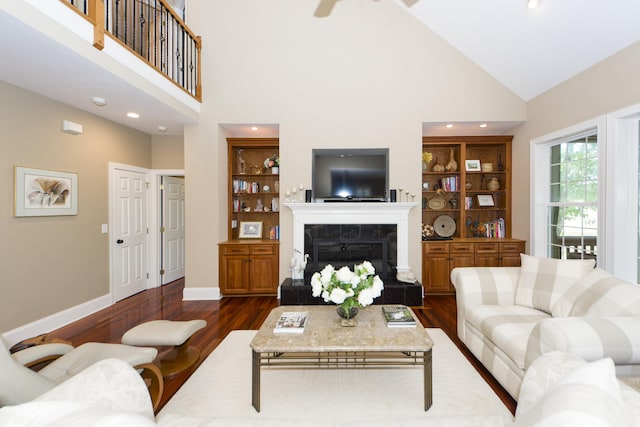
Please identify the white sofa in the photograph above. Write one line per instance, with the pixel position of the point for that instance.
(558, 390)
(509, 316)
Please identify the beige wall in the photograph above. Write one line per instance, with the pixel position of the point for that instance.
(366, 77)
(50, 264)
(167, 152)
(606, 87)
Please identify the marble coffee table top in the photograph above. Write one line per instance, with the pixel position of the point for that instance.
(324, 333)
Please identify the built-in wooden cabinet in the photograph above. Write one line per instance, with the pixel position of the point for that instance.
(249, 267)
(440, 257)
(249, 260)
(466, 196)
(253, 188)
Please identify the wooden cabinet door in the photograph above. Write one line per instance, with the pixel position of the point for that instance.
(263, 269)
(262, 274)
(435, 267)
(234, 274)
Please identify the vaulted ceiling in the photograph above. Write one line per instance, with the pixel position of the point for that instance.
(528, 51)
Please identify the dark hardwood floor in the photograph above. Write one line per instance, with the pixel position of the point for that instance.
(229, 314)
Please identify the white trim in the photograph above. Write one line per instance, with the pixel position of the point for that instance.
(56, 320)
(622, 190)
(539, 155)
(199, 294)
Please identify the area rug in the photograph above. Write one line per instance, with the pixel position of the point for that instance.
(221, 389)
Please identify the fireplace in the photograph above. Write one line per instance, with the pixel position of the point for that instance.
(350, 244)
(347, 234)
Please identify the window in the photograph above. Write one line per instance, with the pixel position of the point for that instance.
(572, 208)
(568, 206)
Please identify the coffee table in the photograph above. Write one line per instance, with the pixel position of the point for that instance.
(325, 343)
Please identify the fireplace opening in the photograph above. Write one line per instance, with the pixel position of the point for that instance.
(350, 244)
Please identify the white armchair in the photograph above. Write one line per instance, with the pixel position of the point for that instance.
(19, 384)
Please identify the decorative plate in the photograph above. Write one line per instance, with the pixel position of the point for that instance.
(436, 203)
(444, 226)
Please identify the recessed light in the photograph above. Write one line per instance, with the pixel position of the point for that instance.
(100, 102)
(533, 4)
(483, 125)
(449, 126)
(133, 115)
(254, 128)
(162, 128)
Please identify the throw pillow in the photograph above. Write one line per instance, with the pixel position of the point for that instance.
(599, 294)
(543, 373)
(542, 281)
(587, 396)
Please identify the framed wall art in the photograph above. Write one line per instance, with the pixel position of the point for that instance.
(250, 230)
(40, 192)
(472, 165)
(485, 200)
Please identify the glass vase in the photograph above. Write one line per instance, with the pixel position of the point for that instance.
(350, 314)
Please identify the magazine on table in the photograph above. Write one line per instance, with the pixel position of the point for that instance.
(292, 322)
(398, 316)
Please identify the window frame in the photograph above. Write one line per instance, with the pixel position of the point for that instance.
(540, 183)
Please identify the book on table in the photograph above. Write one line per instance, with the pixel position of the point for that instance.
(292, 322)
(398, 316)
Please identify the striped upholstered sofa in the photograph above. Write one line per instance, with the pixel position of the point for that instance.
(509, 316)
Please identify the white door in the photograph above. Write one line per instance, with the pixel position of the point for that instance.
(129, 232)
(172, 229)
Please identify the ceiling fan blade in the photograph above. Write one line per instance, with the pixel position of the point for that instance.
(324, 8)
(409, 3)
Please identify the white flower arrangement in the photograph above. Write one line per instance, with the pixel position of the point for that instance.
(347, 288)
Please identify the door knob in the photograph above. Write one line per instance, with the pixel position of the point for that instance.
(119, 241)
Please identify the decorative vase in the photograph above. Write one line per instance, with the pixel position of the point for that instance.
(424, 166)
(452, 166)
(275, 170)
(493, 184)
(438, 167)
(353, 311)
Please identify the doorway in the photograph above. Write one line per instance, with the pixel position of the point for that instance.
(146, 263)
(172, 231)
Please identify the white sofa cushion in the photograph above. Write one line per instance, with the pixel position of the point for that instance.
(588, 395)
(542, 281)
(507, 327)
(599, 294)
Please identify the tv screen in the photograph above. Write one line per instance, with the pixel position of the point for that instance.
(359, 174)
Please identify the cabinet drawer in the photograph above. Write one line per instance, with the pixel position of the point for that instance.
(262, 250)
(436, 248)
(511, 247)
(235, 250)
(486, 248)
(461, 248)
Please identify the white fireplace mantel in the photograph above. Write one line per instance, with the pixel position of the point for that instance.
(355, 213)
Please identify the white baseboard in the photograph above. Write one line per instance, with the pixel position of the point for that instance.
(56, 320)
(195, 294)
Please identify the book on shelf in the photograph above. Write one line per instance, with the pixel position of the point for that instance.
(398, 316)
(292, 322)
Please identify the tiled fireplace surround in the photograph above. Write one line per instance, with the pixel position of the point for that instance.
(357, 213)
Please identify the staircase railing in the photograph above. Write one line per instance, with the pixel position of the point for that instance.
(152, 30)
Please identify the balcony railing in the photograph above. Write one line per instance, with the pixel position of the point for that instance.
(152, 30)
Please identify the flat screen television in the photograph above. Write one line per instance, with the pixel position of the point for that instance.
(350, 175)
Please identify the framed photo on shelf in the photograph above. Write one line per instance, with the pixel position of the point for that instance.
(250, 230)
(485, 200)
(40, 192)
(472, 165)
